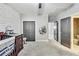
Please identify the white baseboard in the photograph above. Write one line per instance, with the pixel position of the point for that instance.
(42, 40)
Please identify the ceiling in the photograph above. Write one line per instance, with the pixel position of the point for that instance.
(32, 8)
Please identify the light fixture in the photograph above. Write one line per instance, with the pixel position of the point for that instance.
(40, 9)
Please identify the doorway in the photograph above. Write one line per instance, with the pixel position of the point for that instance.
(29, 30)
(53, 30)
(76, 34)
(56, 30)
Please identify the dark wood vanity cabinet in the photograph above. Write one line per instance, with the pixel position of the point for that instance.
(18, 44)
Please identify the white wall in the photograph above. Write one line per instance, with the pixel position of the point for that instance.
(39, 22)
(9, 17)
(67, 13)
(51, 30)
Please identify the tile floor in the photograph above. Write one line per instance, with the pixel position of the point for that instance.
(47, 48)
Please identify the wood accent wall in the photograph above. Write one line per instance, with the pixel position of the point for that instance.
(76, 27)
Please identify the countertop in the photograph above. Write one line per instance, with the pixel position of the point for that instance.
(16, 34)
(6, 40)
(9, 38)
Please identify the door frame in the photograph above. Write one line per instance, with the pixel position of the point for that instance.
(35, 27)
(72, 30)
(57, 24)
